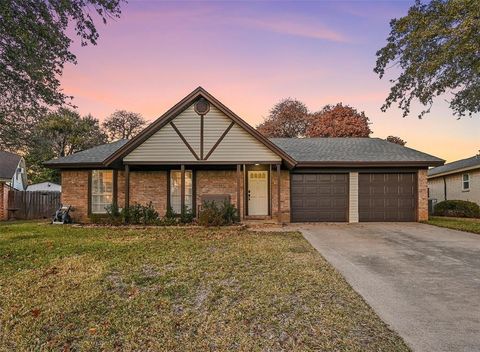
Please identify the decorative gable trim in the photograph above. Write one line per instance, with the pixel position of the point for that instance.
(178, 109)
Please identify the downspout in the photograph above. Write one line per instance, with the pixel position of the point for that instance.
(444, 188)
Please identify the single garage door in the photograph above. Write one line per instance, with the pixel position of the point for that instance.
(319, 197)
(387, 197)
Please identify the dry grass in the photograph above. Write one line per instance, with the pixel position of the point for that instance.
(65, 288)
(461, 224)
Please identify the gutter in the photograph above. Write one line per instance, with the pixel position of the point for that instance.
(456, 171)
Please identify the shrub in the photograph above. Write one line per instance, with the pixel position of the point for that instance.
(229, 213)
(214, 215)
(457, 208)
(210, 215)
(170, 218)
(187, 216)
(114, 216)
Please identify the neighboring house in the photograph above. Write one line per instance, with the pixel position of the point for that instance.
(12, 175)
(459, 180)
(44, 187)
(200, 150)
(12, 170)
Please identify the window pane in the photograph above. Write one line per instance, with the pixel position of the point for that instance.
(102, 190)
(176, 191)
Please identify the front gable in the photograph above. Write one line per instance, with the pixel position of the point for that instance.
(178, 137)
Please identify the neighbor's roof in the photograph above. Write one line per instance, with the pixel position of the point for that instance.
(339, 151)
(44, 186)
(8, 164)
(93, 156)
(464, 164)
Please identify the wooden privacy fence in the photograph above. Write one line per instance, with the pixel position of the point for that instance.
(32, 205)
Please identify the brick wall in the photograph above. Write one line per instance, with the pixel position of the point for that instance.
(75, 193)
(422, 195)
(146, 187)
(284, 195)
(3, 201)
(219, 182)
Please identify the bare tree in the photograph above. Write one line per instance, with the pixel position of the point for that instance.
(396, 140)
(123, 125)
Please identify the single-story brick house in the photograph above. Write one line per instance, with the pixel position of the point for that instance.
(200, 150)
(458, 180)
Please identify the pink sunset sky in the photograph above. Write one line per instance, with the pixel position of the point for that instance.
(252, 54)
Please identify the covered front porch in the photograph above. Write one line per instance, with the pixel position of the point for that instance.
(257, 190)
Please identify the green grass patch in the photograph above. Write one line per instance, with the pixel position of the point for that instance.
(462, 224)
(162, 289)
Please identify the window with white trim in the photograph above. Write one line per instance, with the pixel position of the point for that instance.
(176, 191)
(466, 182)
(102, 190)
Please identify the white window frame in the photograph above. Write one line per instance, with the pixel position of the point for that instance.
(104, 193)
(465, 181)
(175, 204)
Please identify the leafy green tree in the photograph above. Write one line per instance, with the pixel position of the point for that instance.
(67, 132)
(436, 46)
(123, 125)
(59, 134)
(34, 47)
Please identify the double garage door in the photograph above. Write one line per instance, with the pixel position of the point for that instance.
(381, 197)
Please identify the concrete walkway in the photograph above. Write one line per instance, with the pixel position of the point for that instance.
(423, 281)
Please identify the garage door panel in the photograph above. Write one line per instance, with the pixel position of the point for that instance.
(324, 197)
(387, 197)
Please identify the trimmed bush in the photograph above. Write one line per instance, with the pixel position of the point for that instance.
(213, 214)
(457, 208)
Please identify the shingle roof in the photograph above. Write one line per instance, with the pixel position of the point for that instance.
(8, 164)
(456, 165)
(95, 155)
(352, 150)
(347, 150)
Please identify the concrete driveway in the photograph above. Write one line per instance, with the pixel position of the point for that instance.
(422, 280)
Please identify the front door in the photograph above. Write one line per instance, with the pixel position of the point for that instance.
(257, 192)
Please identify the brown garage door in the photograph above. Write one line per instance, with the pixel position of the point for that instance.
(319, 197)
(387, 197)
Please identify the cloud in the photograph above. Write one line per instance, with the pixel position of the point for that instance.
(294, 26)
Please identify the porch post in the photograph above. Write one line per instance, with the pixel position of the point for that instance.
(245, 190)
(127, 186)
(279, 216)
(182, 190)
(238, 189)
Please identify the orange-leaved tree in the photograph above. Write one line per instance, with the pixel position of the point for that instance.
(288, 118)
(338, 121)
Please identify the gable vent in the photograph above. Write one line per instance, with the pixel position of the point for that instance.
(202, 106)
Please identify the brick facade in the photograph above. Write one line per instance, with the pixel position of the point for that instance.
(146, 187)
(284, 195)
(75, 193)
(151, 186)
(422, 195)
(219, 182)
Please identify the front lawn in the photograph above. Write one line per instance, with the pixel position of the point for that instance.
(68, 288)
(462, 224)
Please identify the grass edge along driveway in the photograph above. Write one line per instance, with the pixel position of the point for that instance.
(461, 224)
(173, 289)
